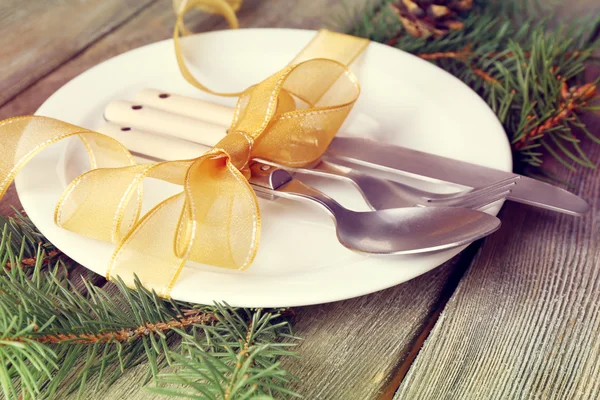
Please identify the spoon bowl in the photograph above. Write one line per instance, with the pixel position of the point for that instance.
(412, 230)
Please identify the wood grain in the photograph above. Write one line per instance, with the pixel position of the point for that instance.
(524, 322)
(38, 36)
(353, 348)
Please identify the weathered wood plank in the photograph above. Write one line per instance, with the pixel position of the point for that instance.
(353, 348)
(38, 36)
(148, 26)
(524, 321)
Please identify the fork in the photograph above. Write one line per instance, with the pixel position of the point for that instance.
(382, 194)
(378, 193)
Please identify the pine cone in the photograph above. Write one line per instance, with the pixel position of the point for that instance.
(424, 18)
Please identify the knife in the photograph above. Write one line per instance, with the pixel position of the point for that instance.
(390, 158)
(177, 116)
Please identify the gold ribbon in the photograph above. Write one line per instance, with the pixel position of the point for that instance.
(225, 8)
(289, 118)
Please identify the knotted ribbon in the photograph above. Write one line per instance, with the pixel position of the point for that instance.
(289, 118)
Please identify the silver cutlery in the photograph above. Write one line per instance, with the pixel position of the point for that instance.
(406, 230)
(393, 231)
(381, 194)
(369, 153)
(390, 158)
(378, 193)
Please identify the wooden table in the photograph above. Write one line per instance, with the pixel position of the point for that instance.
(516, 317)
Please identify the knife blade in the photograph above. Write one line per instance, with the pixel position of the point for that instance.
(392, 158)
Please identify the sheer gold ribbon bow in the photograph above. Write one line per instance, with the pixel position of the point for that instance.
(289, 118)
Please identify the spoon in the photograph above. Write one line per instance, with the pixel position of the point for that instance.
(406, 230)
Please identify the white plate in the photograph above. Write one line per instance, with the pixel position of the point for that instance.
(404, 100)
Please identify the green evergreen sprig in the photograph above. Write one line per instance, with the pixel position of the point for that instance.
(22, 232)
(206, 367)
(56, 339)
(529, 69)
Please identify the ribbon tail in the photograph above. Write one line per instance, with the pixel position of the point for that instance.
(215, 221)
(147, 251)
(224, 212)
(24, 137)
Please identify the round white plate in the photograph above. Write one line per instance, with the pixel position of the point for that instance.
(404, 100)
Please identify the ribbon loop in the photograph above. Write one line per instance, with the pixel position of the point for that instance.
(226, 8)
(294, 114)
(113, 196)
(24, 137)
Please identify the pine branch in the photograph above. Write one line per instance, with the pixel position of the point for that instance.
(189, 318)
(238, 361)
(24, 236)
(55, 340)
(531, 75)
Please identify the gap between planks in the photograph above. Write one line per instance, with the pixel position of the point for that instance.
(412, 349)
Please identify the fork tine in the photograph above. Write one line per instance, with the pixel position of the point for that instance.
(508, 182)
(475, 195)
(482, 190)
(489, 192)
(484, 200)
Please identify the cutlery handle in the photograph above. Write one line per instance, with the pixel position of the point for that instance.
(357, 123)
(153, 145)
(186, 106)
(268, 180)
(149, 119)
(321, 168)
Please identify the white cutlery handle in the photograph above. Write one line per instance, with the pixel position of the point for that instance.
(146, 118)
(153, 145)
(358, 124)
(187, 106)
